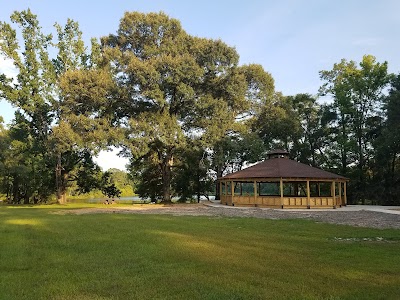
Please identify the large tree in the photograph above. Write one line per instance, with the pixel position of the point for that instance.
(60, 136)
(357, 93)
(387, 144)
(31, 92)
(175, 87)
(278, 124)
(192, 172)
(311, 140)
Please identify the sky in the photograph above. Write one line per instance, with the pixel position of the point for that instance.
(292, 39)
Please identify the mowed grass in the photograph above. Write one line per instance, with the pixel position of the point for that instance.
(128, 256)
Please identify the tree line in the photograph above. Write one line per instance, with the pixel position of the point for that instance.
(183, 110)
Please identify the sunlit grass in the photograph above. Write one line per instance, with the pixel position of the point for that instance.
(31, 222)
(65, 206)
(127, 256)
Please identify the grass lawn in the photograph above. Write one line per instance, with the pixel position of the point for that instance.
(128, 256)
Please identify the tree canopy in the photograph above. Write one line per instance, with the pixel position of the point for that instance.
(51, 136)
(174, 87)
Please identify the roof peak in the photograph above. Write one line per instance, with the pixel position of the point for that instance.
(278, 153)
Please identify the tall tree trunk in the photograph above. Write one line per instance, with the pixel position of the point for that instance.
(391, 186)
(166, 178)
(217, 187)
(9, 189)
(61, 182)
(198, 188)
(15, 191)
(361, 169)
(26, 198)
(344, 147)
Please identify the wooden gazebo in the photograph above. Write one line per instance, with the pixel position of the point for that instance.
(283, 183)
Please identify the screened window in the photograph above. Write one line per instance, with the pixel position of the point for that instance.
(314, 189)
(244, 188)
(325, 189)
(228, 188)
(269, 189)
(320, 189)
(295, 189)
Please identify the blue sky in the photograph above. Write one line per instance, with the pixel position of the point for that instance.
(293, 40)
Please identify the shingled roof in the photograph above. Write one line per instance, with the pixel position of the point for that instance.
(280, 167)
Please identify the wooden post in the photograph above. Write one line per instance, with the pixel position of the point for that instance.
(345, 193)
(281, 192)
(319, 189)
(220, 192)
(308, 194)
(232, 192)
(340, 193)
(333, 194)
(255, 193)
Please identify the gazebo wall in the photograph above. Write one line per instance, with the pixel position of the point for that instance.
(288, 202)
(262, 201)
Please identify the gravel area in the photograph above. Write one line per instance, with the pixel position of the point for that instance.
(360, 218)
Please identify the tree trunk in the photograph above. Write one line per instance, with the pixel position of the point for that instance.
(61, 182)
(217, 190)
(15, 191)
(198, 189)
(59, 193)
(361, 175)
(9, 191)
(344, 147)
(392, 184)
(166, 178)
(26, 198)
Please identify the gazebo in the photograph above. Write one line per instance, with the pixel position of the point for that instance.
(280, 182)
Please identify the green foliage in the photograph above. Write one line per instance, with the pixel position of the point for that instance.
(386, 165)
(48, 137)
(25, 177)
(108, 187)
(89, 177)
(232, 152)
(122, 182)
(174, 87)
(357, 94)
(193, 177)
(312, 137)
(147, 175)
(278, 124)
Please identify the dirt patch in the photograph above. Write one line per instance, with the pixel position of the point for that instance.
(360, 218)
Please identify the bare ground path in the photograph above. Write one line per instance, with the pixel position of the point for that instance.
(361, 216)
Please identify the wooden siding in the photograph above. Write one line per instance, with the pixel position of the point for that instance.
(288, 202)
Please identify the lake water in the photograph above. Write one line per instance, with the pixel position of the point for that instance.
(137, 199)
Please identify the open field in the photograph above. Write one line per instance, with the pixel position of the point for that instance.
(47, 253)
